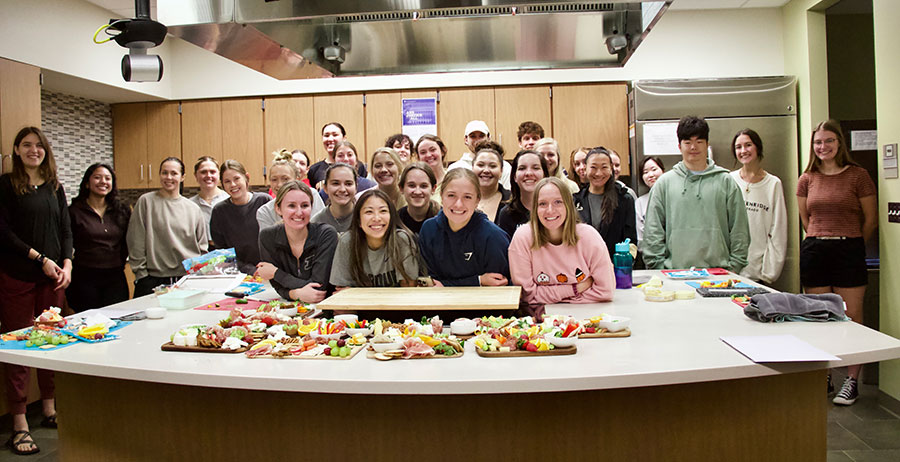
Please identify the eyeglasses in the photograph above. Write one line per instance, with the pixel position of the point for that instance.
(821, 142)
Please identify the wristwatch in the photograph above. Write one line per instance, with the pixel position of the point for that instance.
(40, 259)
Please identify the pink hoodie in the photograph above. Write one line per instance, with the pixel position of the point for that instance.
(549, 274)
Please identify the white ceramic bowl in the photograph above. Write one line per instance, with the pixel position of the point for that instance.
(561, 342)
(290, 312)
(347, 318)
(366, 331)
(614, 323)
(462, 326)
(155, 313)
(382, 347)
(336, 336)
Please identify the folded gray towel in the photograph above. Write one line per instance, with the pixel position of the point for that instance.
(779, 307)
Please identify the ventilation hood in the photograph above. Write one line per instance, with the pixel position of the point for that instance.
(295, 39)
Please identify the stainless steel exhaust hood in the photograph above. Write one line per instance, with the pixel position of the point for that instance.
(294, 39)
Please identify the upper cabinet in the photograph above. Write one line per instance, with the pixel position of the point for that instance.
(163, 137)
(289, 124)
(201, 133)
(143, 135)
(588, 115)
(515, 105)
(20, 102)
(345, 109)
(457, 107)
(224, 129)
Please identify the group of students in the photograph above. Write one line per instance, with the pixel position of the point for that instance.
(408, 219)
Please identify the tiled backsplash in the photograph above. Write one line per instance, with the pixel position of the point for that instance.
(80, 131)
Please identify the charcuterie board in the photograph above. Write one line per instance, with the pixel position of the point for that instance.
(371, 355)
(424, 298)
(561, 351)
(353, 351)
(169, 346)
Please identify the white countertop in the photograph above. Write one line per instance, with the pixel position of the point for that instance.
(673, 342)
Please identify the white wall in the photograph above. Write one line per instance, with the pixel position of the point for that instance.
(685, 44)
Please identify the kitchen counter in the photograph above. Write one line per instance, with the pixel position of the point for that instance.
(673, 365)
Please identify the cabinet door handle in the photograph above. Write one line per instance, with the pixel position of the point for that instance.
(150, 171)
(142, 172)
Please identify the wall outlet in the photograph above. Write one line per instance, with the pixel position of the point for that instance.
(894, 212)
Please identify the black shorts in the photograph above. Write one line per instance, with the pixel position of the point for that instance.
(833, 262)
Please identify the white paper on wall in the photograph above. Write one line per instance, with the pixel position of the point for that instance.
(660, 139)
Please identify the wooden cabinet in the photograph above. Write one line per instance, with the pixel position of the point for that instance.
(130, 145)
(346, 109)
(242, 135)
(590, 115)
(289, 124)
(201, 132)
(20, 103)
(163, 139)
(515, 105)
(384, 117)
(457, 107)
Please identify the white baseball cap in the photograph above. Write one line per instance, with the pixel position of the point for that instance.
(477, 126)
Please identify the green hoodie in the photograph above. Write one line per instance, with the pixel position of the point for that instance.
(696, 219)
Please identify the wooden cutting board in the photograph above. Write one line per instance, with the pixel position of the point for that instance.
(524, 353)
(371, 355)
(424, 298)
(353, 352)
(169, 346)
(626, 332)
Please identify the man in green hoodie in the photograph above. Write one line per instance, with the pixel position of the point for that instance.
(696, 215)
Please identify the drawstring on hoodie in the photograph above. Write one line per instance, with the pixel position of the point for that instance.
(687, 178)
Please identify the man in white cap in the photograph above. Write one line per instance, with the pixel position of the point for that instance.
(476, 132)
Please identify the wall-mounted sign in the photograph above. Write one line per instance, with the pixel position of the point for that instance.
(419, 117)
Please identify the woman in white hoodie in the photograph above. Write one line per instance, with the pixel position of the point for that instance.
(766, 211)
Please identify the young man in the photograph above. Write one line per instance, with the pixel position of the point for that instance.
(476, 132)
(696, 215)
(529, 133)
(617, 169)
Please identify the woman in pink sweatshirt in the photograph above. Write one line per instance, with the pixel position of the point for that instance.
(556, 259)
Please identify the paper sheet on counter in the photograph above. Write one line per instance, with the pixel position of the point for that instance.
(776, 349)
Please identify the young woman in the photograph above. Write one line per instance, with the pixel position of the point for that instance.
(577, 167)
(556, 259)
(282, 170)
(460, 246)
(548, 148)
(617, 170)
(432, 151)
(651, 169)
(345, 153)
(838, 209)
(206, 171)
(301, 160)
(332, 134)
(766, 211)
(99, 223)
(528, 167)
(378, 251)
(418, 183)
(340, 184)
(403, 145)
(385, 167)
(233, 222)
(296, 255)
(165, 228)
(605, 204)
(35, 265)
(488, 167)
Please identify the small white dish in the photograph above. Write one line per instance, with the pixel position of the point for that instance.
(561, 342)
(367, 331)
(155, 312)
(614, 323)
(382, 347)
(347, 318)
(289, 312)
(462, 326)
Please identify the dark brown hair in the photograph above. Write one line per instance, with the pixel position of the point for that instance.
(841, 158)
(610, 196)
(396, 238)
(19, 177)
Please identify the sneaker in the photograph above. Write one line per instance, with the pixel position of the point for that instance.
(848, 393)
(830, 385)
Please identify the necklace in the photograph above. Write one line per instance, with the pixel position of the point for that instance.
(752, 175)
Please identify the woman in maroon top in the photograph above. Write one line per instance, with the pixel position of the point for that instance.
(99, 224)
(838, 209)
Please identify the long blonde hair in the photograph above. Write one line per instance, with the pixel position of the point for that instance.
(539, 233)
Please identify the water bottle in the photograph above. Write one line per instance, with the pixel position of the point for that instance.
(623, 263)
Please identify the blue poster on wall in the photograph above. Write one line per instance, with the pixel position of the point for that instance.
(419, 117)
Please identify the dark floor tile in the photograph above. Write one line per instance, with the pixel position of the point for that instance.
(870, 409)
(838, 456)
(839, 439)
(877, 434)
(48, 456)
(878, 455)
(842, 414)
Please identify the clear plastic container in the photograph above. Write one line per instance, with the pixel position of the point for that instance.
(180, 299)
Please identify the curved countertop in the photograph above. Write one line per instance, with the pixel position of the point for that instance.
(674, 342)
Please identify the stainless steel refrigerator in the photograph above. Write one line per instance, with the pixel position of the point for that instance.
(765, 104)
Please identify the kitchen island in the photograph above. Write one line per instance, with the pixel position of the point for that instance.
(671, 391)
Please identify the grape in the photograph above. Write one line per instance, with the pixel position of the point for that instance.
(327, 352)
(63, 340)
(333, 343)
(40, 342)
(335, 351)
(341, 343)
(29, 344)
(345, 351)
(54, 340)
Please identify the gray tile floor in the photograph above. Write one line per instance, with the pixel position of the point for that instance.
(864, 432)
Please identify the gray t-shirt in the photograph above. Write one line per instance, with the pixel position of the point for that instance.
(340, 225)
(596, 201)
(377, 265)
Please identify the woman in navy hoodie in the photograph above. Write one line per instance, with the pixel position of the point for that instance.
(460, 245)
